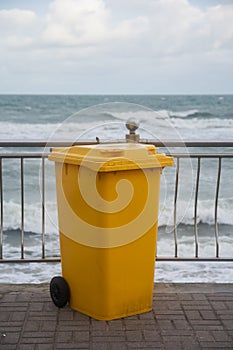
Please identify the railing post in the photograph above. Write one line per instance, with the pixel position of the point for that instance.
(175, 205)
(43, 204)
(216, 207)
(22, 208)
(1, 212)
(195, 206)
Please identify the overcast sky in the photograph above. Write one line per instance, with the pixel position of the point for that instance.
(116, 46)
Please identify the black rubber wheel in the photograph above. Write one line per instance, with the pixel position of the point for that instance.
(59, 291)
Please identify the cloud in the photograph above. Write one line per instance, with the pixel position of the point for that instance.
(78, 35)
(164, 26)
(17, 28)
(72, 23)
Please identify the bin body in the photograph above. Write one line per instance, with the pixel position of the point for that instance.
(108, 252)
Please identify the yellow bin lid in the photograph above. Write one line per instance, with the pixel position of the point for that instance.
(112, 157)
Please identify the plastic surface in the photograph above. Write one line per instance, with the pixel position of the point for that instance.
(108, 201)
(112, 157)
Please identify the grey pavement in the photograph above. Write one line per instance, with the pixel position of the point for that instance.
(184, 316)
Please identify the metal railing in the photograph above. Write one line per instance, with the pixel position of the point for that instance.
(219, 157)
(42, 156)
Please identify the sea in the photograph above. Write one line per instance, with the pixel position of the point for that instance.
(75, 118)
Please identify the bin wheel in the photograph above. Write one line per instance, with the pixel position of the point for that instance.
(59, 291)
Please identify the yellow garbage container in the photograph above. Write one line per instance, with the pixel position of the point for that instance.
(108, 198)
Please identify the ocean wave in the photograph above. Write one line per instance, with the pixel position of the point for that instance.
(205, 213)
(202, 124)
(143, 115)
(185, 215)
(183, 114)
(189, 272)
(32, 217)
(111, 125)
(191, 114)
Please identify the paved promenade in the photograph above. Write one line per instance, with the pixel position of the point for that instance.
(184, 316)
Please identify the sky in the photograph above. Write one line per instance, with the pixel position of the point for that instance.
(116, 47)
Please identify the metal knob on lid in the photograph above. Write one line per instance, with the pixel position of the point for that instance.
(132, 125)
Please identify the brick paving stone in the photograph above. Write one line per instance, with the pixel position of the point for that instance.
(49, 326)
(11, 305)
(147, 316)
(138, 324)
(208, 315)
(144, 345)
(218, 305)
(116, 346)
(74, 346)
(35, 341)
(41, 315)
(24, 297)
(225, 315)
(109, 332)
(199, 296)
(181, 324)
(164, 332)
(182, 318)
(229, 305)
(43, 347)
(169, 314)
(221, 296)
(65, 315)
(193, 314)
(196, 305)
(228, 324)
(98, 325)
(32, 325)
(82, 336)
(63, 337)
(10, 338)
(18, 316)
(132, 317)
(36, 307)
(4, 315)
(108, 339)
(216, 345)
(205, 336)
(191, 346)
(151, 335)
(28, 346)
(9, 297)
(9, 327)
(100, 346)
(116, 324)
(81, 317)
(64, 327)
(166, 324)
(221, 336)
(173, 345)
(134, 335)
(185, 296)
(207, 325)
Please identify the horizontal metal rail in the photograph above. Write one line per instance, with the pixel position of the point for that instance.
(158, 143)
(42, 157)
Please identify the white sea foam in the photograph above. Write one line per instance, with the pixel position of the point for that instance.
(183, 114)
(185, 215)
(32, 217)
(153, 125)
(198, 272)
